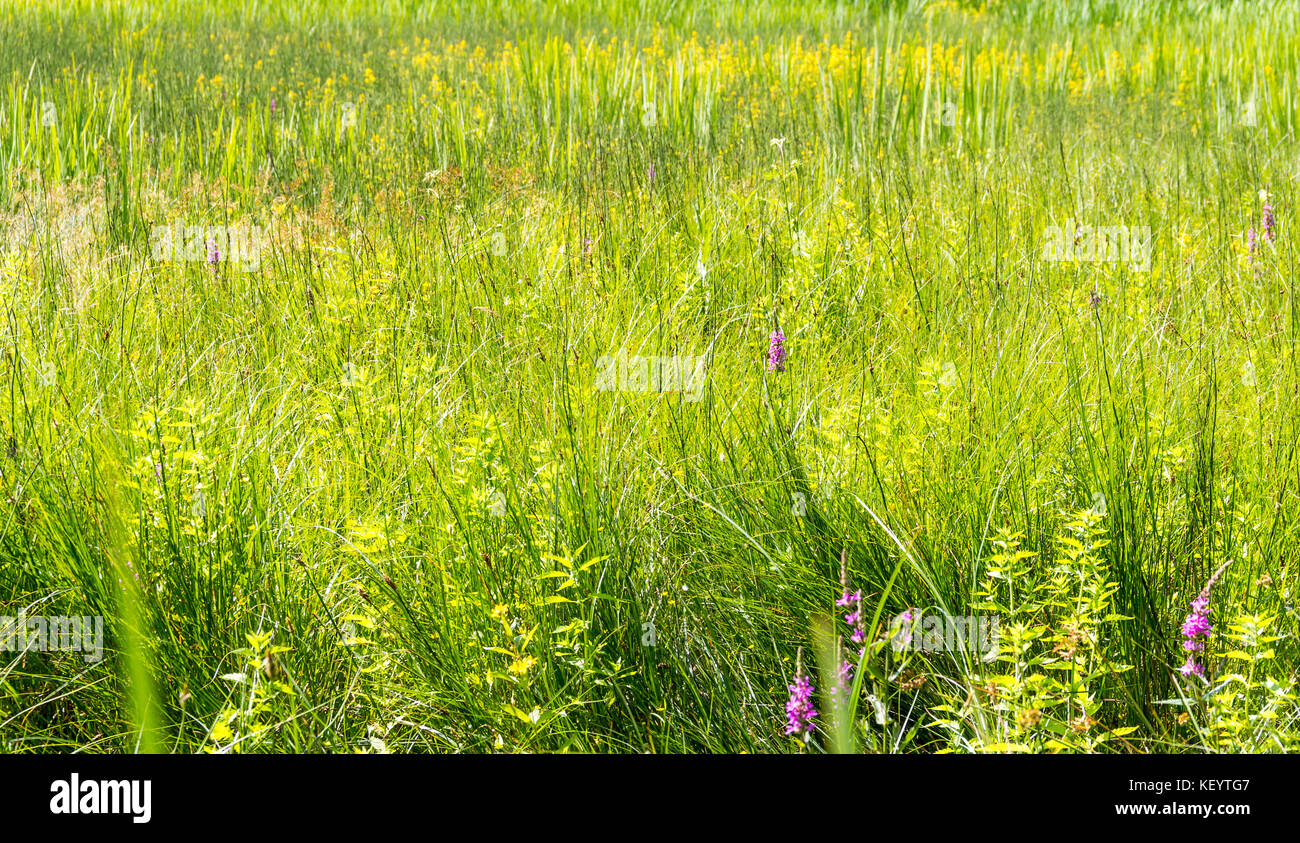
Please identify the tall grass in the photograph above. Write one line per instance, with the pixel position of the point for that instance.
(369, 497)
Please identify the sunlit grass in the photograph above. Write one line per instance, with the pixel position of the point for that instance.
(368, 496)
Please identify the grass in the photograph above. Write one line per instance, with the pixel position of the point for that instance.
(368, 496)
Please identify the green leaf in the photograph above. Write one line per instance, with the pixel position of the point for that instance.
(517, 713)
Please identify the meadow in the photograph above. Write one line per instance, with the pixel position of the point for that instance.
(639, 376)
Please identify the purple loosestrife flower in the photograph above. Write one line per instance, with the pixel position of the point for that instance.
(799, 711)
(1197, 627)
(1191, 668)
(903, 629)
(843, 682)
(776, 353)
(1270, 223)
(856, 620)
(214, 256)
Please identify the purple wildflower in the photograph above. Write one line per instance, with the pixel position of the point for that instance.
(846, 674)
(776, 352)
(799, 710)
(214, 256)
(1197, 627)
(1270, 223)
(843, 683)
(1191, 668)
(904, 629)
(843, 676)
(854, 618)
(1251, 239)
